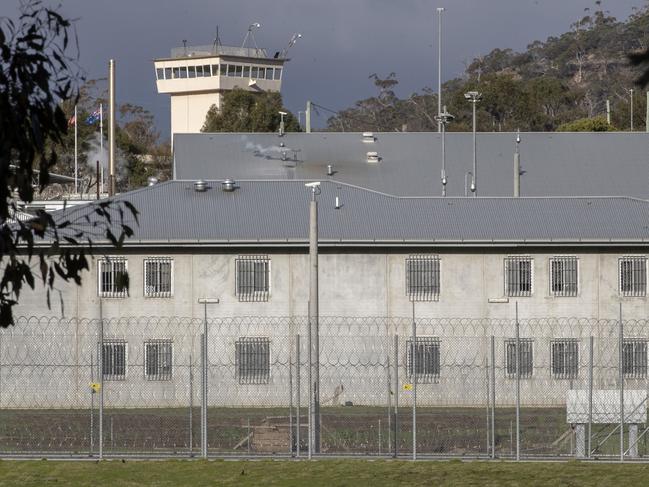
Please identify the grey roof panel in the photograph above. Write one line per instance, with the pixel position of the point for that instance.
(552, 164)
(277, 211)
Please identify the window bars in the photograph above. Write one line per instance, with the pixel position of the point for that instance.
(519, 276)
(565, 358)
(427, 356)
(564, 276)
(526, 362)
(633, 276)
(158, 277)
(423, 277)
(114, 360)
(634, 358)
(252, 360)
(158, 359)
(113, 277)
(253, 277)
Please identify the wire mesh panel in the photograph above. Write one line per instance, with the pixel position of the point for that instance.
(151, 390)
(250, 367)
(45, 395)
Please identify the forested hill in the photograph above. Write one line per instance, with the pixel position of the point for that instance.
(548, 87)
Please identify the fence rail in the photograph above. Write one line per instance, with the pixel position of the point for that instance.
(422, 388)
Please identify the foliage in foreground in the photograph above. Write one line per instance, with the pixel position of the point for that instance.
(36, 74)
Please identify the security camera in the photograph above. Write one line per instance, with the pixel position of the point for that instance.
(312, 185)
(283, 113)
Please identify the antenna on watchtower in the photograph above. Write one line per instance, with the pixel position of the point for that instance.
(217, 41)
(251, 35)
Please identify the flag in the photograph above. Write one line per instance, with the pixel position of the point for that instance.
(73, 120)
(93, 117)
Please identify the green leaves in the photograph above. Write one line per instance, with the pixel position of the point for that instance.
(245, 111)
(37, 75)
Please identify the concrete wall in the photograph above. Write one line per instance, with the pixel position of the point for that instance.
(354, 284)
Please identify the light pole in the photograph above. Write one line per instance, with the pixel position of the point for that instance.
(439, 63)
(474, 97)
(314, 345)
(442, 119)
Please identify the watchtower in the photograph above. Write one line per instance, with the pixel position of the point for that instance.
(197, 76)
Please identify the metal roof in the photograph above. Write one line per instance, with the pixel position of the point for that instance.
(552, 164)
(276, 212)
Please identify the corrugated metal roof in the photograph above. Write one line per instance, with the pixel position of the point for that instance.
(277, 212)
(552, 164)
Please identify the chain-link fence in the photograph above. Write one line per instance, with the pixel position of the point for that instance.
(244, 386)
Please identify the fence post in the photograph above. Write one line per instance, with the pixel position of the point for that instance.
(204, 392)
(290, 397)
(396, 397)
(621, 372)
(297, 386)
(100, 359)
(413, 354)
(590, 393)
(488, 383)
(191, 406)
(493, 397)
(92, 404)
(518, 388)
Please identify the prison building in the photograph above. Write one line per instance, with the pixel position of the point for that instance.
(461, 265)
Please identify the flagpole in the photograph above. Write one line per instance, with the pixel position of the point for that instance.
(101, 147)
(76, 166)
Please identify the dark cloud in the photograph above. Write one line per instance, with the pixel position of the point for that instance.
(344, 40)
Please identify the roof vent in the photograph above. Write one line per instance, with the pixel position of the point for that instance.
(368, 137)
(330, 169)
(373, 157)
(228, 185)
(200, 186)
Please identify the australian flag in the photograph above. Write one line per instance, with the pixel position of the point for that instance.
(93, 117)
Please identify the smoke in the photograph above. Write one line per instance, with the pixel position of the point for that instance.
(97, 153)
(260, 150)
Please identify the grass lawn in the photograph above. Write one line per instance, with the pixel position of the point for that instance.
(317, 473)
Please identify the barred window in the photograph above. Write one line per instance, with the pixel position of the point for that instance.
(423, 277)
(114, 359)
(158, 359)
(427, 359)
(252, 360)
(633, 276)
(113, 277)
(634, 358)
(565, 358)
(564, 276)
(519, 276)
(526, 358)
(158, 277)
(253, 277)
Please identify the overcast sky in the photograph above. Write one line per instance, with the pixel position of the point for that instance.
(344, 41)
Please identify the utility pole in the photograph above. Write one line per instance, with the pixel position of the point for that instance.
(111, 128)
(442, 119)
(474, 97)
(646, 120)
(314, 342)
(439, 64)
(307, 117)
(631, 92)
(517, 166)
